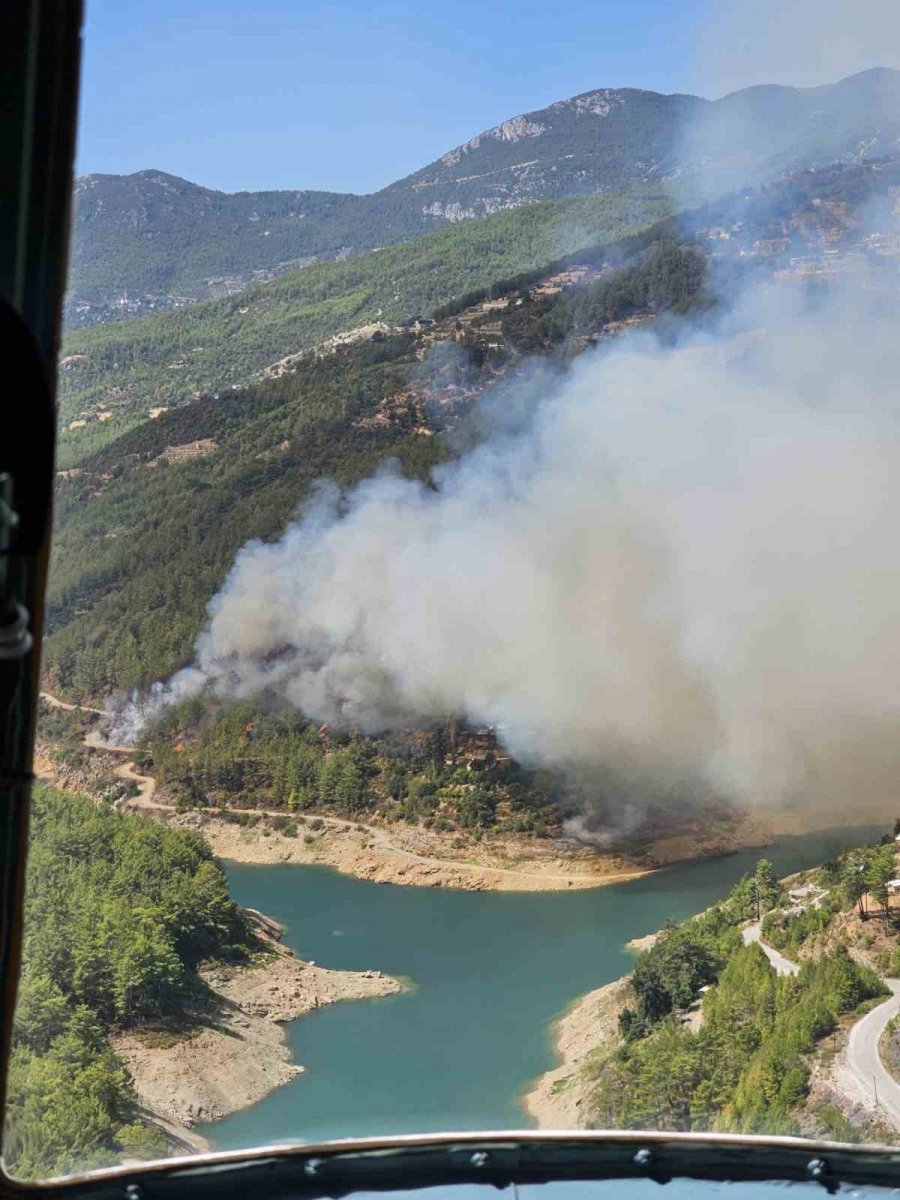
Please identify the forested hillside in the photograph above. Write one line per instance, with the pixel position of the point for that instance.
(153, 233)
(112, 947)
(114, 377)
(149, 519)
(126, 369)
(149, 525)
(746, 1067)
(149, 522)
(240, 756)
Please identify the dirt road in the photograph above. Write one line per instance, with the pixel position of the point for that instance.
(147, 801)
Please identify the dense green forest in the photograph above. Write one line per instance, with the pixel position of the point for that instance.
(155, 233)
(119, 914)
(744, 1070)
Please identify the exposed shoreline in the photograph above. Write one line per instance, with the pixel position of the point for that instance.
(218, 1071)
(403, 854)
(413, 856)
(241, 1054)
(407, 858)
(410, 856)
(560, 1098)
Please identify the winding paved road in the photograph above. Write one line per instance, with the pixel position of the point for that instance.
(782, 965)
(864, 1060)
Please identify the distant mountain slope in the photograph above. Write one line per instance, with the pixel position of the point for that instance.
(612, 138)
(122, 370)
(622, 137)
(153, 234)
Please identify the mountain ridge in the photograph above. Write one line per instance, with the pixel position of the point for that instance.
(169, 241)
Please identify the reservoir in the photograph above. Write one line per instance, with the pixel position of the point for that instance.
(489, 972)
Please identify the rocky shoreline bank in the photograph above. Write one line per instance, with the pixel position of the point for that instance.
(241, 1053)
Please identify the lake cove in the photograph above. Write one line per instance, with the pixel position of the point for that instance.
(490, 971)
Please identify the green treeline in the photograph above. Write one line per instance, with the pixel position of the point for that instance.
(119, 913)
(243, 757)
(689, 956)
(744, 1071)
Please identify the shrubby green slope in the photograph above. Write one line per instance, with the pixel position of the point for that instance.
(745, 1070)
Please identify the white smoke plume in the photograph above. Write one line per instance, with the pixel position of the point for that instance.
(681, 570)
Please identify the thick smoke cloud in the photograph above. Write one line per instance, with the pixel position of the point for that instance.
(679, 571)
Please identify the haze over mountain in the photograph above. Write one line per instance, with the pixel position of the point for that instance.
(154, 234)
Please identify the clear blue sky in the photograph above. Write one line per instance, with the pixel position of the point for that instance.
(352, 94)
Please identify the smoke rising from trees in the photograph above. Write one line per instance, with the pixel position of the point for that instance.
(679, 571)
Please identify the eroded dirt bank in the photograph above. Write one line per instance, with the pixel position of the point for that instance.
(240, 1053)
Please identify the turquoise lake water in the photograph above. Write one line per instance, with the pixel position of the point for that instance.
(490, 972)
